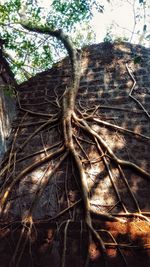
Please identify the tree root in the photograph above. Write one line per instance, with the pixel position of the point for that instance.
(129, 189)
(65, 245)
(7, 166)
(131, 215)
(133, 86)
(25, 235)
(6, 191)
(115, 242)
(84, 125)
(44, 182)
(114, 126)
(111, 177)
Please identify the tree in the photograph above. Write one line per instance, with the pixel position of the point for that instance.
(69, 115)
(29, 52)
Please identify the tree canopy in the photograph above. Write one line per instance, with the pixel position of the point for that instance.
(29, 52)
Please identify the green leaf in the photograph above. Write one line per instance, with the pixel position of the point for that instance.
(148, 37)
(137, 60)
(144, 28)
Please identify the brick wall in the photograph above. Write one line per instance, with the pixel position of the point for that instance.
(105, 84)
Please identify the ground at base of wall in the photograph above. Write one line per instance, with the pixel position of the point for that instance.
(45, 245)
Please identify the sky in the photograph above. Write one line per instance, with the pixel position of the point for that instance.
(114, 13)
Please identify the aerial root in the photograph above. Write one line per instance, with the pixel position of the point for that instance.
(89, 212)
(85, 126)
(6, 191)
(44, 182)
(27, 223)
(117, 246)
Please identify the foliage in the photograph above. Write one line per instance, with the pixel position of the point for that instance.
(8, 91)
(28, 52)
(110, 37)
(137, 60)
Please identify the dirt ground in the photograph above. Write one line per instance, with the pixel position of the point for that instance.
(46, 244)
